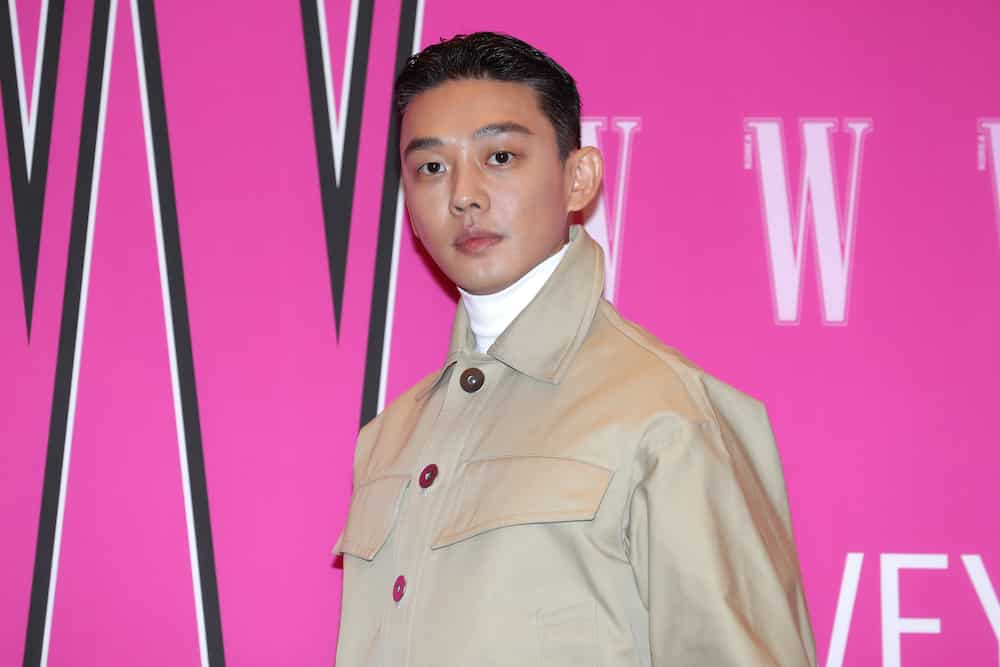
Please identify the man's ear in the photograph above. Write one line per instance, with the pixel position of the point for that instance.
(587, 170)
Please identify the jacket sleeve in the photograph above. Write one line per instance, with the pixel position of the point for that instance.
(712, 554)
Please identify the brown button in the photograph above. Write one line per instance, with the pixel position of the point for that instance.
(399, 588)
(428, 475)
(472, 380)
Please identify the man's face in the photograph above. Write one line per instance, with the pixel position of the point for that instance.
(486, 191)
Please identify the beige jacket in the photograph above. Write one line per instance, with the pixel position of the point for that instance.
(582, 496)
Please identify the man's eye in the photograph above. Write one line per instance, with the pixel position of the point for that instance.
(431, 168)
(501, 158)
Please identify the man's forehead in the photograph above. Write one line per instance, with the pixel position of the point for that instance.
(473, 108)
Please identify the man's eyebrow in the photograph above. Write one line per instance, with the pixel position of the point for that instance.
(421, 143)
(493, 129)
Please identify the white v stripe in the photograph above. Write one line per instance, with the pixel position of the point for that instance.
(28, 108)
(81, 320)
(338, 115)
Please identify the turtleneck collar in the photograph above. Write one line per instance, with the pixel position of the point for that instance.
(491, 314)
(543, 339)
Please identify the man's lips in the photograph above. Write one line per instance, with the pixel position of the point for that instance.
(473, 242)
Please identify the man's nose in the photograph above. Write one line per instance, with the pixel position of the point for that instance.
(469, 194)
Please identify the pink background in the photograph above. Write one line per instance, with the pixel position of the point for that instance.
(884, 422)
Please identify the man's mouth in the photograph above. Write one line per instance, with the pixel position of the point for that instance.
(475, 241)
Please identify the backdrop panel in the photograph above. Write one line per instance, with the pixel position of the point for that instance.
(207, 284)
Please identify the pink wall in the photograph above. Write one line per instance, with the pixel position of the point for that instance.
(876, 360)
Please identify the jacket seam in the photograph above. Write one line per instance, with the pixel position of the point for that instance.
(505, 457)
(686, 374)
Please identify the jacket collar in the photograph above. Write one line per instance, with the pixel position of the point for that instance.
(543, 339)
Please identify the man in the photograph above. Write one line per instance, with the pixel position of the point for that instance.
(564, 490)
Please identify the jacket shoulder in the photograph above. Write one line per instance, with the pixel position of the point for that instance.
(740, 420)
(659, 371)
(398, 417)
(401, 403)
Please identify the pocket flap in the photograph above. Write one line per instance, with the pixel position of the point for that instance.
(374, 506)
(512, 491)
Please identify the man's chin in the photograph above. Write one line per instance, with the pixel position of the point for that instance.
(482, 275)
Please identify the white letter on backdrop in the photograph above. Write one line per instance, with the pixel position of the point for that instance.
(845, 609)
(607, 230)
(893, 626)
(817, 196)
(986, 593)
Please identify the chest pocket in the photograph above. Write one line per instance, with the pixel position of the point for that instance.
(517, 490)
(374, 506)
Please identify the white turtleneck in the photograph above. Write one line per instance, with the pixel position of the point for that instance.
(491, 314)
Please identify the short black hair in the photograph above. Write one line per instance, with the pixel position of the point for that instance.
(490, 55)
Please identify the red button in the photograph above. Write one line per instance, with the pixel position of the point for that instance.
(399, 588)
(428, 475)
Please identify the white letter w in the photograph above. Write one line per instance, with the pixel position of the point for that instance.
(817, 199)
